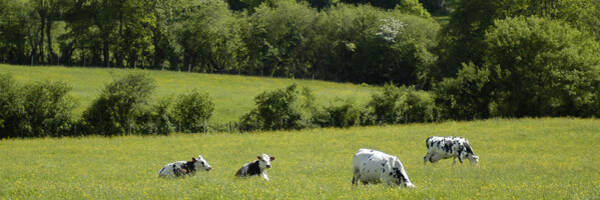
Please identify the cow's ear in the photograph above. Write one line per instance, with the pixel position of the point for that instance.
(259, 157)
(272, 158)
(194, 159)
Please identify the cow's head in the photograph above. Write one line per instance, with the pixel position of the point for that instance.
(200, 163)
(473, 158)
(264, 161)
(399, 175)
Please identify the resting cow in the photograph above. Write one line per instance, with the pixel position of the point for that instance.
(181, 168)
(447, 147)
(372, 166)
(256, 167)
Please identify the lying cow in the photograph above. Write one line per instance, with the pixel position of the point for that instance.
(181, 168)
(447, 147)
(372, 166)
(256, 167)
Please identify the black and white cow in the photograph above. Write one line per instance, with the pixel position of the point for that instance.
(447, 147)
(181, 168)
(372, 166)
(256, 167)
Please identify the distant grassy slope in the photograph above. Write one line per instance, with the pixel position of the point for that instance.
(519, 159)
(233, 95)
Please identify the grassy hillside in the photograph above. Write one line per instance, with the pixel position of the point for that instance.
(520, 159)
(233, 95)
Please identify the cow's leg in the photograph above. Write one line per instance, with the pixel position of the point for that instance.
(264, 175)
(454, 161)
(461, 155)
(426, 158)
(355, 176)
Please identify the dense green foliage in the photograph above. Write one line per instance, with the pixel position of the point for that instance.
(192, 112)
(403, 105)
(519, 159)
(541, 67)
(116, 110)
(285, 38)
(34, 110)
(279, 109)
(532, 67)
(463, 38)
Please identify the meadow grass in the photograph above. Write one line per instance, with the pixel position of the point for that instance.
(232, 94)
(555, 158)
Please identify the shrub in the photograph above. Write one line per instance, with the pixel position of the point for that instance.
(279, 109)
(192, 112)
(403, 105)
(12, 113)
(158, 119)
(119, 105)
(48, 109)
(467, 96)
(340, 114)
(34, 110)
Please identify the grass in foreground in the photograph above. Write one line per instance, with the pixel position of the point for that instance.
(233, 95)
(520, 159)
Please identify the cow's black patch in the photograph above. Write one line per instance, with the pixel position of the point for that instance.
(189, 167)
(383, 170)
(447, 147)
(254, 168)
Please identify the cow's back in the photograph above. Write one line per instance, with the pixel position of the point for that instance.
(169, 169)
(371, 164)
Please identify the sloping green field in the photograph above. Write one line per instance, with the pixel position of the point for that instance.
(233, 95)
(520, 159)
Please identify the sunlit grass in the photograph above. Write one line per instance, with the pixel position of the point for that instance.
(520, 159)
(233, 95)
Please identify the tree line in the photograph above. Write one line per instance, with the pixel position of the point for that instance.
(506, 58)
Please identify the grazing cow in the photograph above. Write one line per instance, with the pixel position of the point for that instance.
(256, 167)
(372, 166)
(181, 168)
(447, 147)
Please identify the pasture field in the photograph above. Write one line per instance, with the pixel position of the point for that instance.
(549, 158)
(233, 95)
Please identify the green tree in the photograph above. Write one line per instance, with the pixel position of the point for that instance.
(541, 67)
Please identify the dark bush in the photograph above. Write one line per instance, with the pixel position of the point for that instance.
(279, 109)
(192, 112)
(48, 109)
(467, 96)
(158, 119)
(12, 113)
(119, 105)
(340, 114)
(403, 105)
(34, 110)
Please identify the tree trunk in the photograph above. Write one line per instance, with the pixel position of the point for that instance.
(41, 40)
(51, 54)
(106, 51)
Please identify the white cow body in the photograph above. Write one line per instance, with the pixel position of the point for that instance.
(449, 147)
(257, 167)
(372, 166)
(181, 168)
